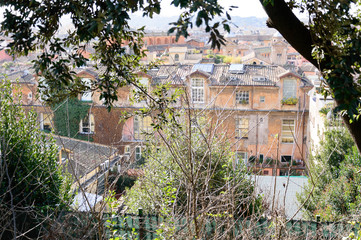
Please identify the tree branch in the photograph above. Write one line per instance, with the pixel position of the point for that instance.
(291, 28)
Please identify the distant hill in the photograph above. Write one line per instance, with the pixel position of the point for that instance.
(159, 23)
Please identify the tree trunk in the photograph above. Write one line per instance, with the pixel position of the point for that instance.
(294, 31)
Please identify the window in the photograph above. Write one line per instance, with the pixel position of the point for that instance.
(242, 125)
(87, 96)
(45, 121)
(127, 150)
(142, 125)
(87, 124)
(262, 99)
(30, 95)
(197, 90)
(288, 129)
(242, 97)
(286, 158)
(176, 57)
(289, 88)
(241, 157)
(261, 158)
(138, 153)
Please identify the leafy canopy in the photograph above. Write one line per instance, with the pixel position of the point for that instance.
(101, 23)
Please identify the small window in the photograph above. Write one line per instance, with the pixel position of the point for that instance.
(87, 95)
(265, 172)
(138, 153)
(261, 158)
(241, 157)
(127, 150)
(262, 99)
(242, 97)
(286, 159)
(87, 124)
(197, 90)
(176, 58)
(30, 95)
(46, 122)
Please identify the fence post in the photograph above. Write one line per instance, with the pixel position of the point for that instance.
(318, 226)
(141, 224)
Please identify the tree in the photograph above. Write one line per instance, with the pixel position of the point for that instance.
(190, 175)
(333, 189)
(330, 42)
(31, 181)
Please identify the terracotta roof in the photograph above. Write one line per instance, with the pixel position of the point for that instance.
(25, 76)
(4, 56)
(251, 75)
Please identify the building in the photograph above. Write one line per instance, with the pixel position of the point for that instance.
(265, 111)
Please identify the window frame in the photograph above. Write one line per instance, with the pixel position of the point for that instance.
(289, 88)
(244, 158)
(91, 124)
(287, 134)
(197, 90)
(262, 99)
(284, 157)
(242, 97)
(242, 127)
(141, 125)
(87, 95)
(138, 154)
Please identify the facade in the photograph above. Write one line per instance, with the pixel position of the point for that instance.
(263, 108)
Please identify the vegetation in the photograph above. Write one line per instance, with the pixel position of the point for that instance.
(31, 180)
(334, 184)
(325, 110)
(330, 42)
(289, 101)
(190, 175)
(67, 117)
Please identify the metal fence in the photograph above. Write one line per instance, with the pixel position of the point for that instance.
(129, 226)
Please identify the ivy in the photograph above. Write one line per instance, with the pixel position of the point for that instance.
(67, 117)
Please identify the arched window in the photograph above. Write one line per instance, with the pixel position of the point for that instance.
(166, 41)
(158, 41)
(176, 57)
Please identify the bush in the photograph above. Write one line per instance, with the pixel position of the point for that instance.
(289, 101)
(32, 183)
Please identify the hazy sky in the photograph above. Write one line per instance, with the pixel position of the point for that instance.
(246, 8)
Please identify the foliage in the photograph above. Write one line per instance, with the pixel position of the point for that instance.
(31, 180)
(33, 25)
(335, 181)
(289, 101)
(67, 117)
(196, 165)
(122, 182)
(324, 110)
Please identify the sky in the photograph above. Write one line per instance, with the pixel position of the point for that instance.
(246, 8)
